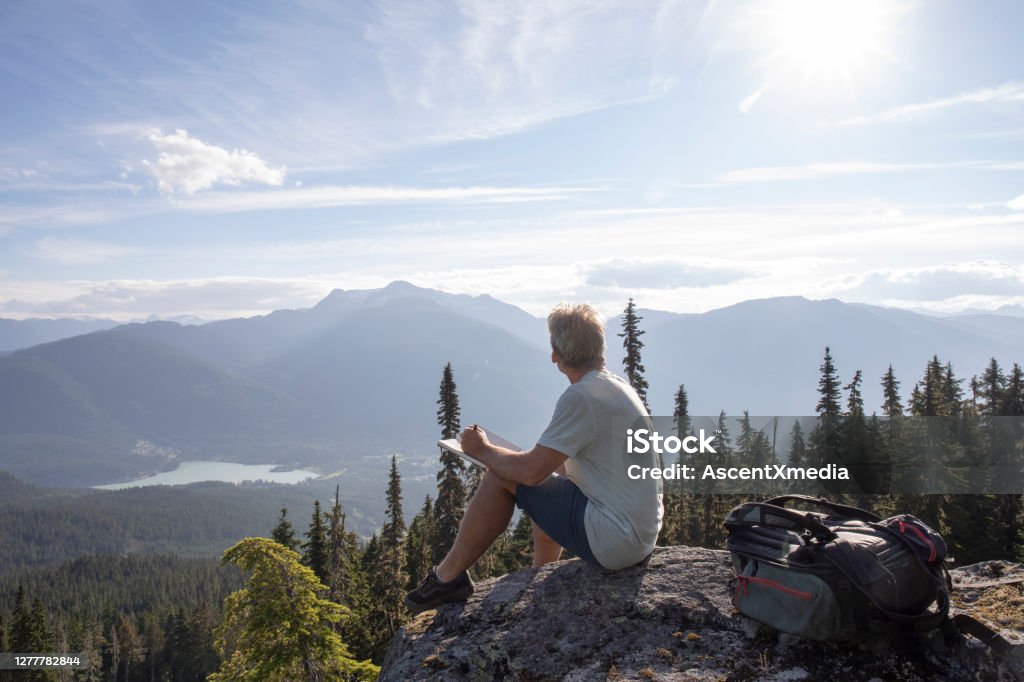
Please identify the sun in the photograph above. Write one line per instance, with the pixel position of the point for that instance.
(819, 42)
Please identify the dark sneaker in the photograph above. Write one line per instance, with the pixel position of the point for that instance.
(431, 593)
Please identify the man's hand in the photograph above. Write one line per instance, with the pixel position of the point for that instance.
(474, 441)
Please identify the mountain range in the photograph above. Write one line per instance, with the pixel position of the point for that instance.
(356, 377)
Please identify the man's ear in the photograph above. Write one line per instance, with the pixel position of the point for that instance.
(554, 356)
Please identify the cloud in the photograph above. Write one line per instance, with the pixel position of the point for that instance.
(750, 100)
(491, 69)
(660, 274)
(1008, 92)
(210, 298)
(86, 212)
(188, 165)
(76, 251)
(823, 170)
(361, 83)
(978, 278)
(1017, 204)
(340, 195)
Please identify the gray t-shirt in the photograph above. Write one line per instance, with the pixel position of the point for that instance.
(589, 425)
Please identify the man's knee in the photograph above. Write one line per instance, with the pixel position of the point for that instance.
(493, 482)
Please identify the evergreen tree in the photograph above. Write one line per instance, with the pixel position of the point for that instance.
(710, 533)
(677, 499)
(632, 363)
(154, 642)
(346, 582)
(828, 388)
(990, 389)
(387, 576)
(28, 632)
(825, 437)
(201, 657)
(797, 447)
(854, 448)
(21, 624)
(279, 627)
(518, 552)
(916, 456)
(89, 643)
(284, 533)
(41, 637)
(419, 559)
(745, 442)
(854, 401)
(891, 405)
(927, 397)
(681, 413)
(132, 652)
(393, 535)
(315, 547)
(951, 391)
(451, 492)
(1013, 396)
(448, 412)
(371, 555)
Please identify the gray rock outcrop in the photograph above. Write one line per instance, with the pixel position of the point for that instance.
(672, 619)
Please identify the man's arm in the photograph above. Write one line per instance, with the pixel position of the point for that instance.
(525, 468)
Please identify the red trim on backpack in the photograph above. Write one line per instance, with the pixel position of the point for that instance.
(743, 587)
(932, 552)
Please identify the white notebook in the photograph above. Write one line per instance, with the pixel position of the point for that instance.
(452, 445)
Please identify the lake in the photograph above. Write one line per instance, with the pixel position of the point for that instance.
(228, 472)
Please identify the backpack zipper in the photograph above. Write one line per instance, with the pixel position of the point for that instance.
(932, 552)
(743, 587)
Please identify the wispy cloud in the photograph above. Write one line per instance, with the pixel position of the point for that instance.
(662, 273)
(211, 298)
(813, 171)
(1008, 92)
(337, 86)
(1017, 204)
(935, 283)
(186, 164)
(76, 251)
(334, 195)
(748, 102)
(89, 212)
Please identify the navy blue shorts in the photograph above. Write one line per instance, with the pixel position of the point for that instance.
(557, 505)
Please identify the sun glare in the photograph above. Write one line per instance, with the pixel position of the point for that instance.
(815, 41)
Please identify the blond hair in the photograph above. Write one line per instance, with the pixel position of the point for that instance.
(577, 335)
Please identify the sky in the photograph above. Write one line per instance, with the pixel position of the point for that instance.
(232, 158)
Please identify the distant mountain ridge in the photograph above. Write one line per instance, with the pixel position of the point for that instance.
(15, 334)
(355, 377)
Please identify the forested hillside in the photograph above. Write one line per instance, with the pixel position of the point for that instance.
(48, 526)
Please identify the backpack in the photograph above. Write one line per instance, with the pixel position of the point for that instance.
(836, 574)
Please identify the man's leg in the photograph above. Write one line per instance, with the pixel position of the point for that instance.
(486, 517)
(545, 550)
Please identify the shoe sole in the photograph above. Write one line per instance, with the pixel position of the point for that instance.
(415, 608)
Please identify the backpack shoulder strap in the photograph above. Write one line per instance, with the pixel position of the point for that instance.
(751, 514)
(983, 633)
(835, 507)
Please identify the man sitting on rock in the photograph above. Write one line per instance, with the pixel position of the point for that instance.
(573, 484)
